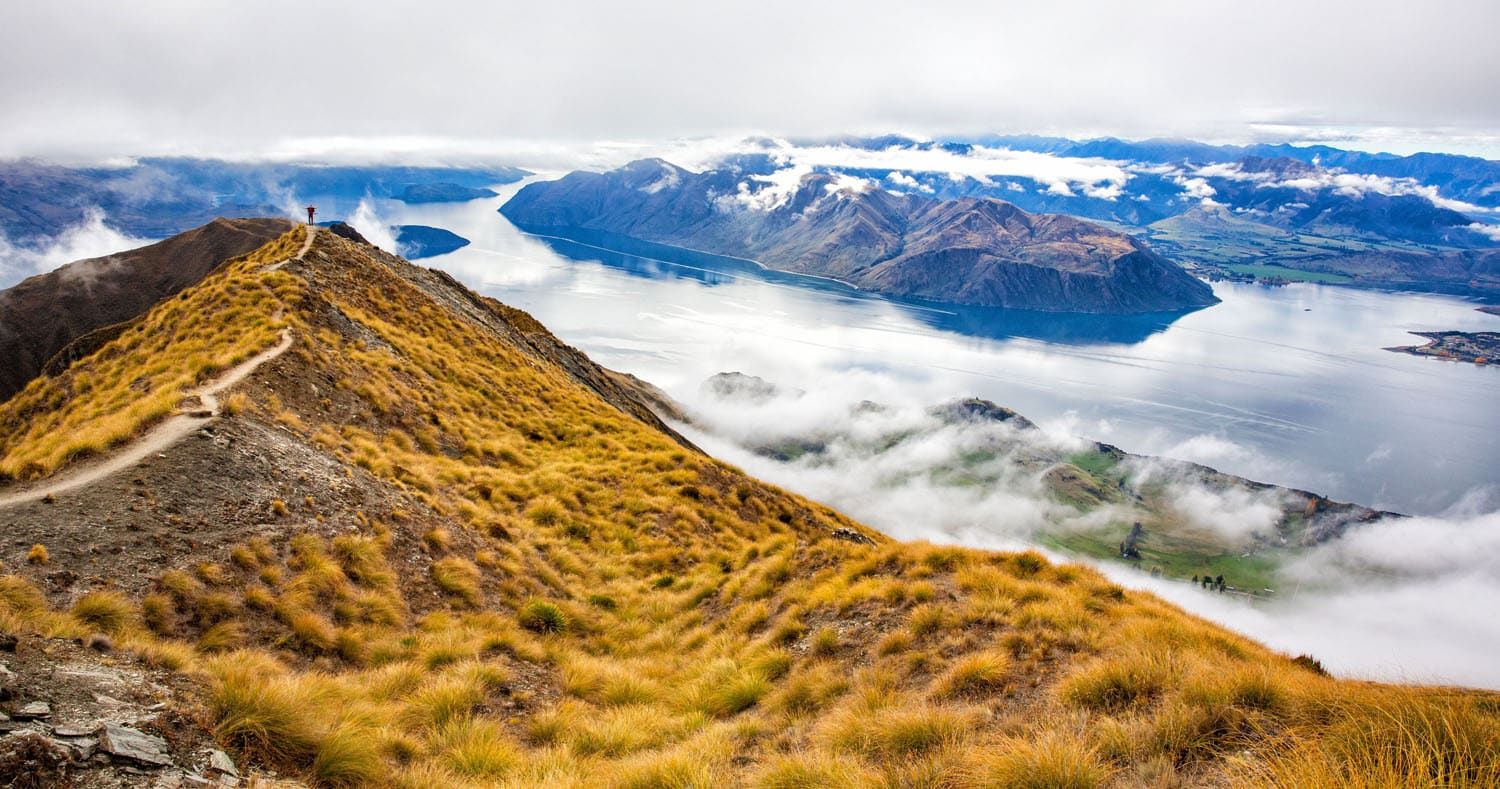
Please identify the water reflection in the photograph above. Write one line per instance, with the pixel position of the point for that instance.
(658, 261)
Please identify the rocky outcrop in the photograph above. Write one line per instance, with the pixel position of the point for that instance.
(971, 251)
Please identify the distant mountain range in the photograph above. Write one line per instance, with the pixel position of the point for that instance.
(1427, 220)
(971, 250)
(154, 198)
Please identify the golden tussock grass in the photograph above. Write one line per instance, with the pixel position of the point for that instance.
(557, 655)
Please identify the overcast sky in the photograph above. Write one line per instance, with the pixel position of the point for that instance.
(101, 79)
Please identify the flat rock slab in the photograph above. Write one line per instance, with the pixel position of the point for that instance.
(32, 710)
(127, 743)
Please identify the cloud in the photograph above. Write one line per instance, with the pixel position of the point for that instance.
(367, 220)
(1492, 232)
(90, 238)
(591, 71)
(1400, 599)
(1234, 513)
(907, 182)
(1333, 179)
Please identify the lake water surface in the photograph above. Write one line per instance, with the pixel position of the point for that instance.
(1288, 385)
(1285, 385)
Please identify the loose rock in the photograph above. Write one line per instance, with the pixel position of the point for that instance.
(127, 743)
(32, 711)
(220, 761)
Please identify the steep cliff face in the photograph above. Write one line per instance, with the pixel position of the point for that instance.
(974, 251)
(44, 314)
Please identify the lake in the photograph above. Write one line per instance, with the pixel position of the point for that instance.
(1288, 385)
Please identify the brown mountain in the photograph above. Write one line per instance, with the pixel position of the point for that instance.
(971, 251)
(43, 315)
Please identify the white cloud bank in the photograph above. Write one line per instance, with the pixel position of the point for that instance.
(1402, 600)
(90, 238)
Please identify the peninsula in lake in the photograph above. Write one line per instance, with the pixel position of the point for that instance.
(971, 251)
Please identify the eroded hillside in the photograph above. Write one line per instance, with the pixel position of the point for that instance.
(431, 545)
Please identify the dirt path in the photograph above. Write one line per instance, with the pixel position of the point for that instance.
(168, 432)
(312, 230)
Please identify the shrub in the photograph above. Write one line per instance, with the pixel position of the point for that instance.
(1029, 563)
(236, 403)
(262, 713)
(894, 641)
(222, 637)
(438, 539)
(927, 619)
(107, 611)
(446, 699)
(897, 732)
(543, 617)
(812, 771)
(313, 630)
(772, 664)
(38, 555)
(1310, 663)
(545, 511)
(478, 749)
(20, 596)
(825, 642)
(244, 558)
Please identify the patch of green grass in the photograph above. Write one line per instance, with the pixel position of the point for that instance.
(1294, 275)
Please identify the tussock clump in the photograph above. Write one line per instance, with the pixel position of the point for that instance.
(110, 612)
(1050, 761)
(458, 577)
(1120, 682)
(543, 617)
(972, 675)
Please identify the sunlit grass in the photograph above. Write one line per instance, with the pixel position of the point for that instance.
(558, 595)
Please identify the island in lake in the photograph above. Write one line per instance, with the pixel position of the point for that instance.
(420, 241)
(1482, 347)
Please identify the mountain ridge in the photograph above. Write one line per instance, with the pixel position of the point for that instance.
(977, 251)
(430, 545)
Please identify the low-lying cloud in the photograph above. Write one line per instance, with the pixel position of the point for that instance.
(1401, 599)
(376, 230)
(91, 238)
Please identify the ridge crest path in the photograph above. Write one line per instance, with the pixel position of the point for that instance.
(164, 434)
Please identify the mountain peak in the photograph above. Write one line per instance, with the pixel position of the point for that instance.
(974, 251)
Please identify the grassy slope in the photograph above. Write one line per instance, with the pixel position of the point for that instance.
(635, 614)
(142, 376)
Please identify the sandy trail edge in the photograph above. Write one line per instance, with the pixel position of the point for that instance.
(164, 434)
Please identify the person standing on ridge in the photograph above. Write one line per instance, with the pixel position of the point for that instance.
(310, 211)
